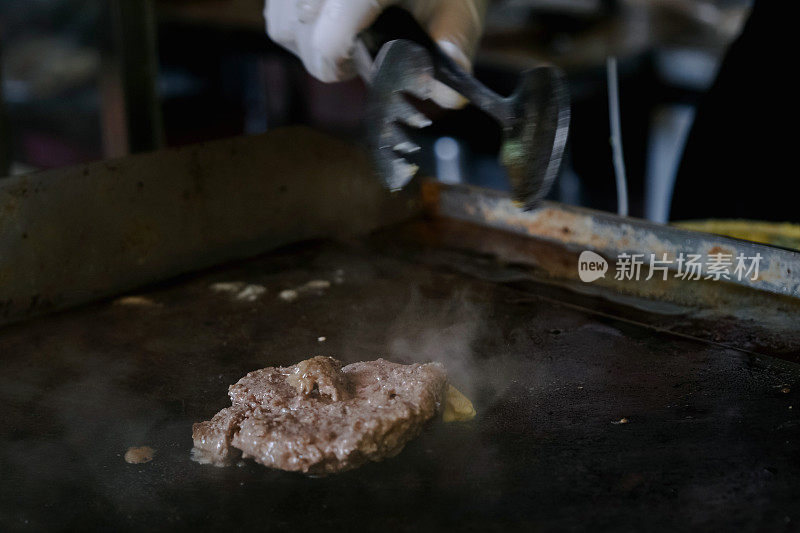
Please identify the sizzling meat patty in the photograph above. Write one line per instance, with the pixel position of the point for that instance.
(317, 417)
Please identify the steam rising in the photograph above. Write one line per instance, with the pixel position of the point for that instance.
(444, 332)
(480, 362)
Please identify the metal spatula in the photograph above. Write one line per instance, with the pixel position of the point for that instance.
(534, 119)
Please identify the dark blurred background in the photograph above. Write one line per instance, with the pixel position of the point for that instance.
(90, 79)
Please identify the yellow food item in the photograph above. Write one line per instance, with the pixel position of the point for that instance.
(457, 407)
(776, 233)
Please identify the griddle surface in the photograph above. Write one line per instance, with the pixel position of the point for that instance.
(711, 439)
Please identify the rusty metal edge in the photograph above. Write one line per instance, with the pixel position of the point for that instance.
(608, 234)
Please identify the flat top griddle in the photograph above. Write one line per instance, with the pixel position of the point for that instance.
(712, 438)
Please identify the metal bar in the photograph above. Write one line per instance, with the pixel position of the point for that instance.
(135, 62)
(610, 234)
(72, 235)
(5, 133)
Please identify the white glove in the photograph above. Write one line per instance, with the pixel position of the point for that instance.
(322, 32)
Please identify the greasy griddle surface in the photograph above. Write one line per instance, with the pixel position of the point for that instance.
(710, 438)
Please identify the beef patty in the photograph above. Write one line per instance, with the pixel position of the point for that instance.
(318, 417)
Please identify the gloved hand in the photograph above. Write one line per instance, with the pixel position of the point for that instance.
(322, 32)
